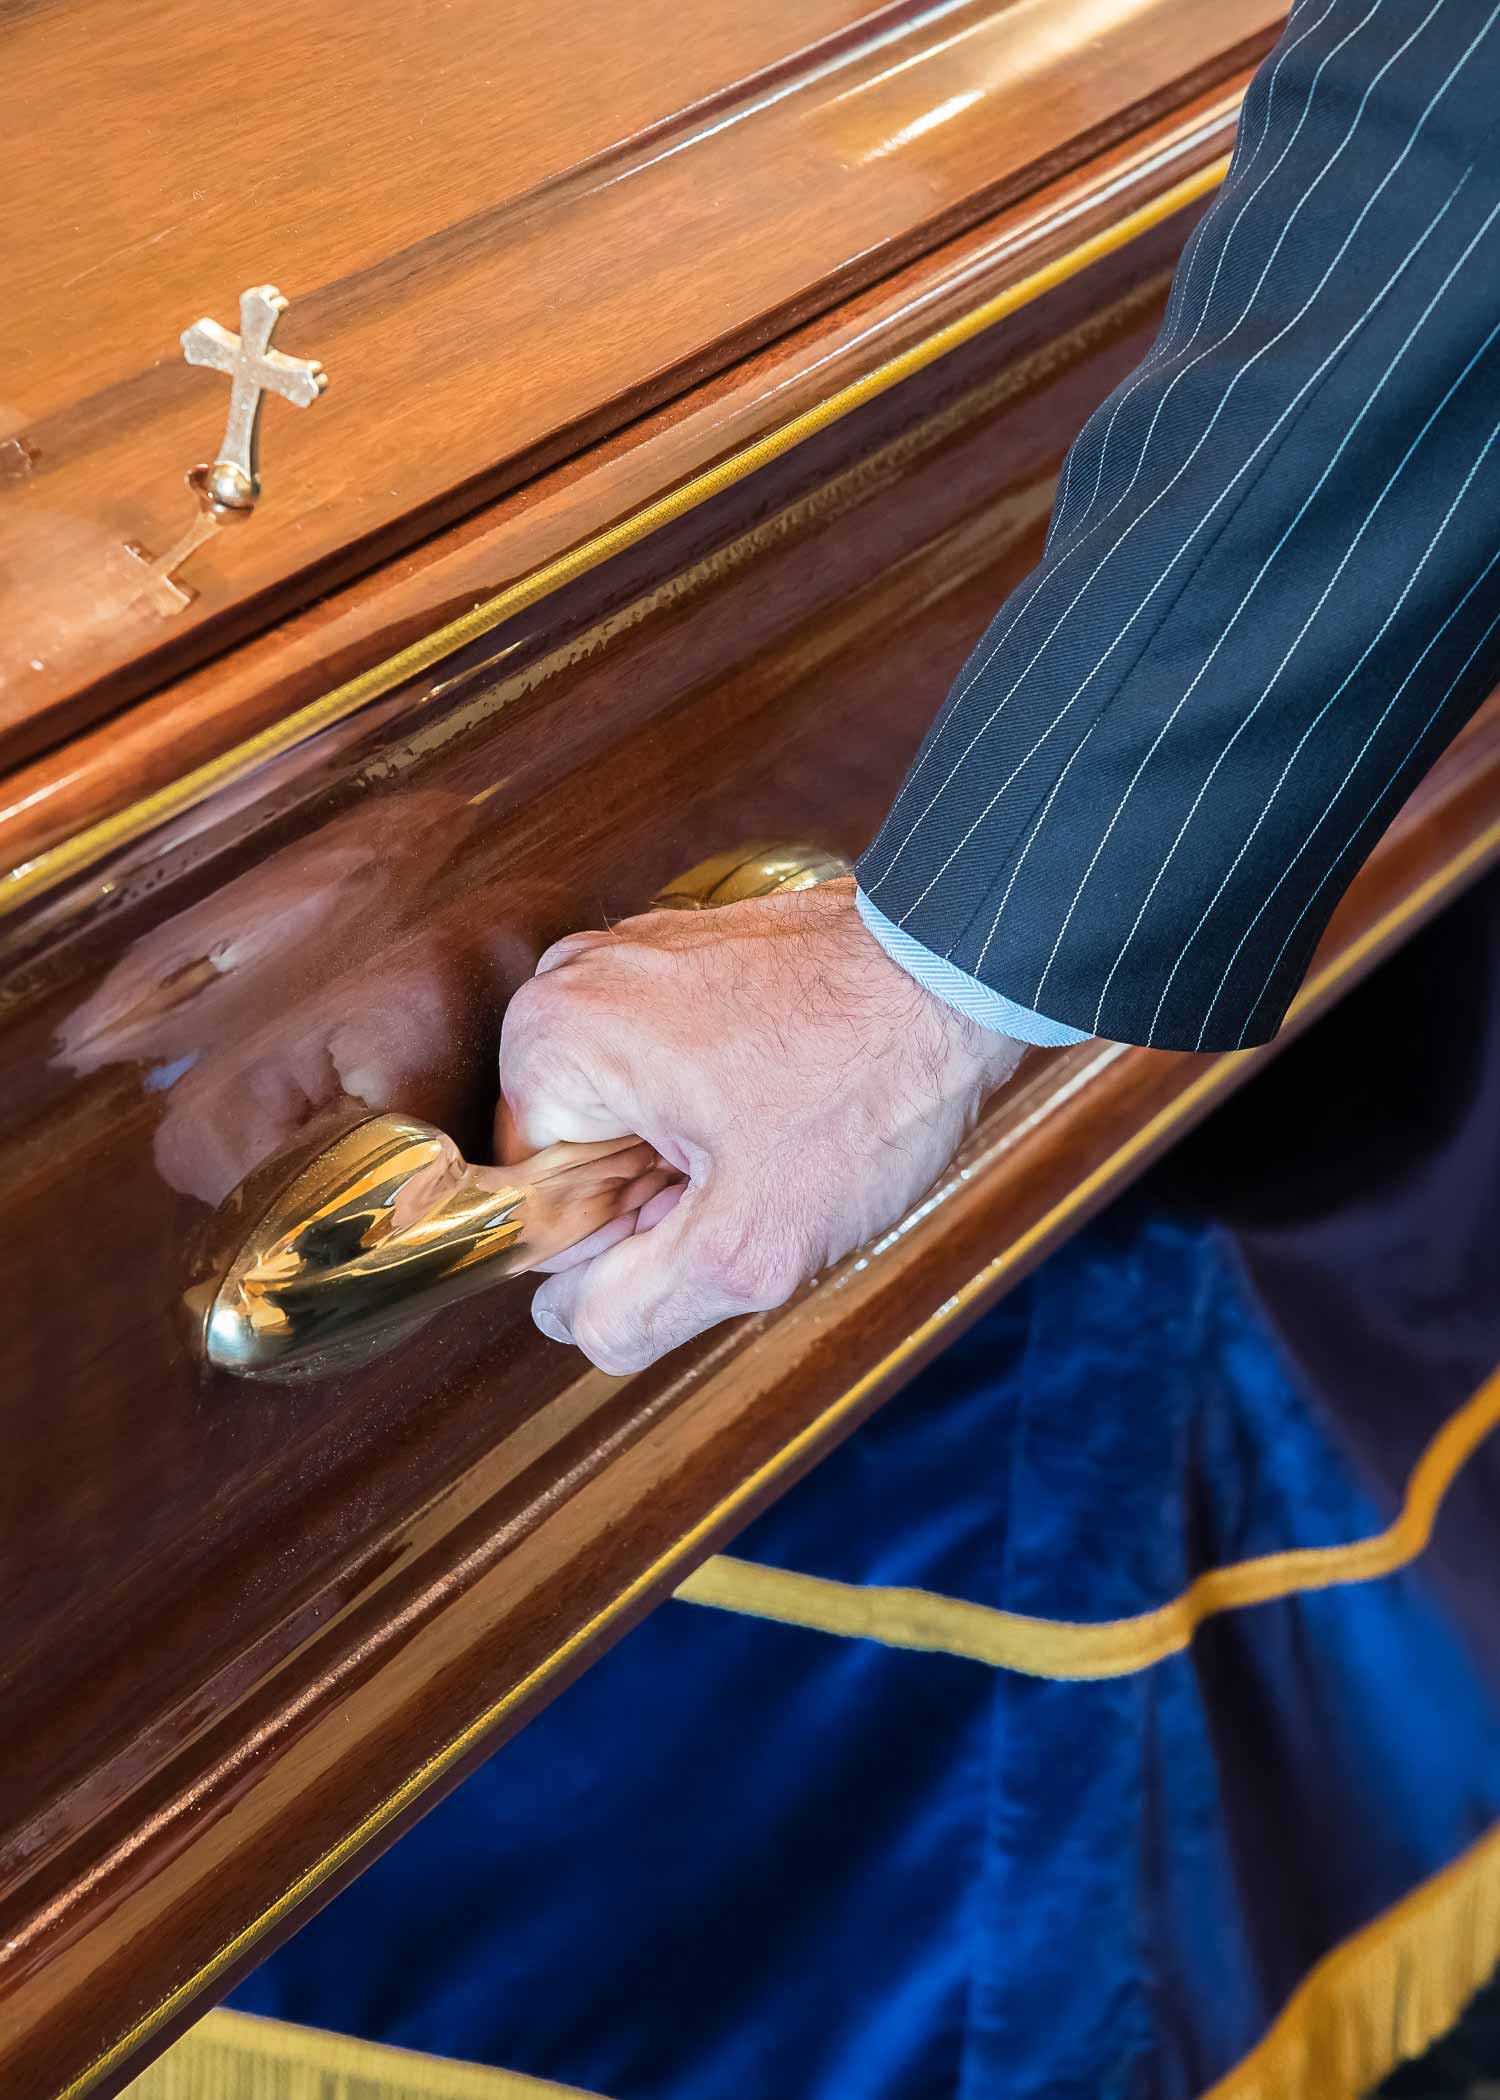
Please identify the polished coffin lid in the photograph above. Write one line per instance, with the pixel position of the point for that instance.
(505, 232)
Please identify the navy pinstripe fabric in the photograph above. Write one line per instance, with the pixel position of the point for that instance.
(1271, 589)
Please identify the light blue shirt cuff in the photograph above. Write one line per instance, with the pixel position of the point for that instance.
(956, 988)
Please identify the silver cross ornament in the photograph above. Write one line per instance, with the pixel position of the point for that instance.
(255, 370)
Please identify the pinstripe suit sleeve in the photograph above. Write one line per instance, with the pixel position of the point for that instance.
(1271, 588)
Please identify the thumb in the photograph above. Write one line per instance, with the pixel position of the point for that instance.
(651, 1293)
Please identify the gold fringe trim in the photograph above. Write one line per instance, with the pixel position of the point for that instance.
(240, 2056)
(1386, 1994)
(1063, 1648)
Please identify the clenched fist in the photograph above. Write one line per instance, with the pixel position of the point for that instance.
(805, 1090)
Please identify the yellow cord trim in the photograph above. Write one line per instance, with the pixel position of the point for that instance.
(84, 847)
(1384, 1995)
(1006, 1640)
(241, 2055)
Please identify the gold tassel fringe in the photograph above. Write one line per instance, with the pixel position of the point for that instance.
(1384, 1995)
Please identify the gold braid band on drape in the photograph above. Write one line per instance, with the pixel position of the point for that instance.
(240, 2056)
(1064, 1648)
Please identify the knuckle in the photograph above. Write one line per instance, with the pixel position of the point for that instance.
(526, 1014)
(570, 946)
(521, 1038)
(541, 1030)
(544, 1068)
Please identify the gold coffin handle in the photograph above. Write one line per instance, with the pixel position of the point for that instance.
(391, 1223)
(386, 1227)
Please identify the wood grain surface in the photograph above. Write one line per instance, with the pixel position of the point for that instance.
(505, 232)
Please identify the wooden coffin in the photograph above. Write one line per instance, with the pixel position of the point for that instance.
(698, 381)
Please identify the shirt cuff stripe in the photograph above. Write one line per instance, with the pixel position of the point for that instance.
(956, 988)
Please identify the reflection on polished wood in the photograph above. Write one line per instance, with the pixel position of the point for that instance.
(158, 579)
(517, 1512)
(335, 934)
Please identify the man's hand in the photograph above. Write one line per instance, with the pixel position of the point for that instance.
(804, 1088)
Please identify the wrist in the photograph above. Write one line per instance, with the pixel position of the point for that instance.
(986, 1056)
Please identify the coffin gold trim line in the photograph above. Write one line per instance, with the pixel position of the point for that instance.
(673, 1565)
(1076, 1649)
(70, 856)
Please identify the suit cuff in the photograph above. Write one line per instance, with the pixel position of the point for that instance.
(956, 988)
